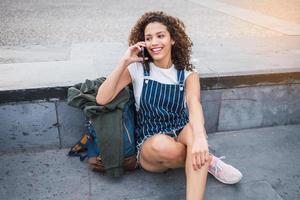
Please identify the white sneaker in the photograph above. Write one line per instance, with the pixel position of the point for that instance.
(223, 172)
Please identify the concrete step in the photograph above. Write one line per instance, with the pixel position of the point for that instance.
(246, 91)
(47, 123)
(267, 157)
(212, 58)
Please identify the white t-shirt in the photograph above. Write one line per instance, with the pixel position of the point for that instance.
(162, 75)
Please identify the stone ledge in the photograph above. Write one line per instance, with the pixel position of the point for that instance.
(23, 123)
(207, 83)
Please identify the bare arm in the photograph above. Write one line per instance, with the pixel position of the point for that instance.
(199, 149)
(120, 76)
(196, 117)
(114, 83)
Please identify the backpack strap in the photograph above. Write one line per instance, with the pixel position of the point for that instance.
(86, 146)
(79, 149)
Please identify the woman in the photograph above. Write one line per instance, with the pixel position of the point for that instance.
(170, 123)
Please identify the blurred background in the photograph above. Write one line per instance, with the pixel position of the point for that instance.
(44, 30)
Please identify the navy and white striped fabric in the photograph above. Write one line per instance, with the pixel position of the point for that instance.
(162, 108)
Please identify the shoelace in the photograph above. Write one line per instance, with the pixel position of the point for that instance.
(217, 168)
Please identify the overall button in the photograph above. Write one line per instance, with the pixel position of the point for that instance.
(146, 81)
(181, 88)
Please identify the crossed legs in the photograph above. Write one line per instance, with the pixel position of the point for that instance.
(161, 152)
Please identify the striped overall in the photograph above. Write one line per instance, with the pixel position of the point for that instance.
(162, 108)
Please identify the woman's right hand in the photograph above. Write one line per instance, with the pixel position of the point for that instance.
(131, 55)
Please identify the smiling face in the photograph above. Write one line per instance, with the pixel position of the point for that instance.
(158, 43)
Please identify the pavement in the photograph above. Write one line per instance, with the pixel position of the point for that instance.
(267, 157)
(64, 22)
(281, 9)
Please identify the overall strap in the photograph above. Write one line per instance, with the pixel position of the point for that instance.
(146, 73)
(180, 78)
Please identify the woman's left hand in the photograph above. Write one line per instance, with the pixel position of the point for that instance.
(199, 152)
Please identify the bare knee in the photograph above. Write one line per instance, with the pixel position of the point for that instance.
(186, 135)
(163, 146)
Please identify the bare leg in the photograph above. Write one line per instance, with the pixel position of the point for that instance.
(161, 152)
(195, 180)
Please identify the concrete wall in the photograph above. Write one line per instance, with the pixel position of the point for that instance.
(53, 123)
(250, 107)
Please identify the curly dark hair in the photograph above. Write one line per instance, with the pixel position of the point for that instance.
(181, 50)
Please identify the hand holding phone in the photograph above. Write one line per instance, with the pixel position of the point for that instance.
(136, 53)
